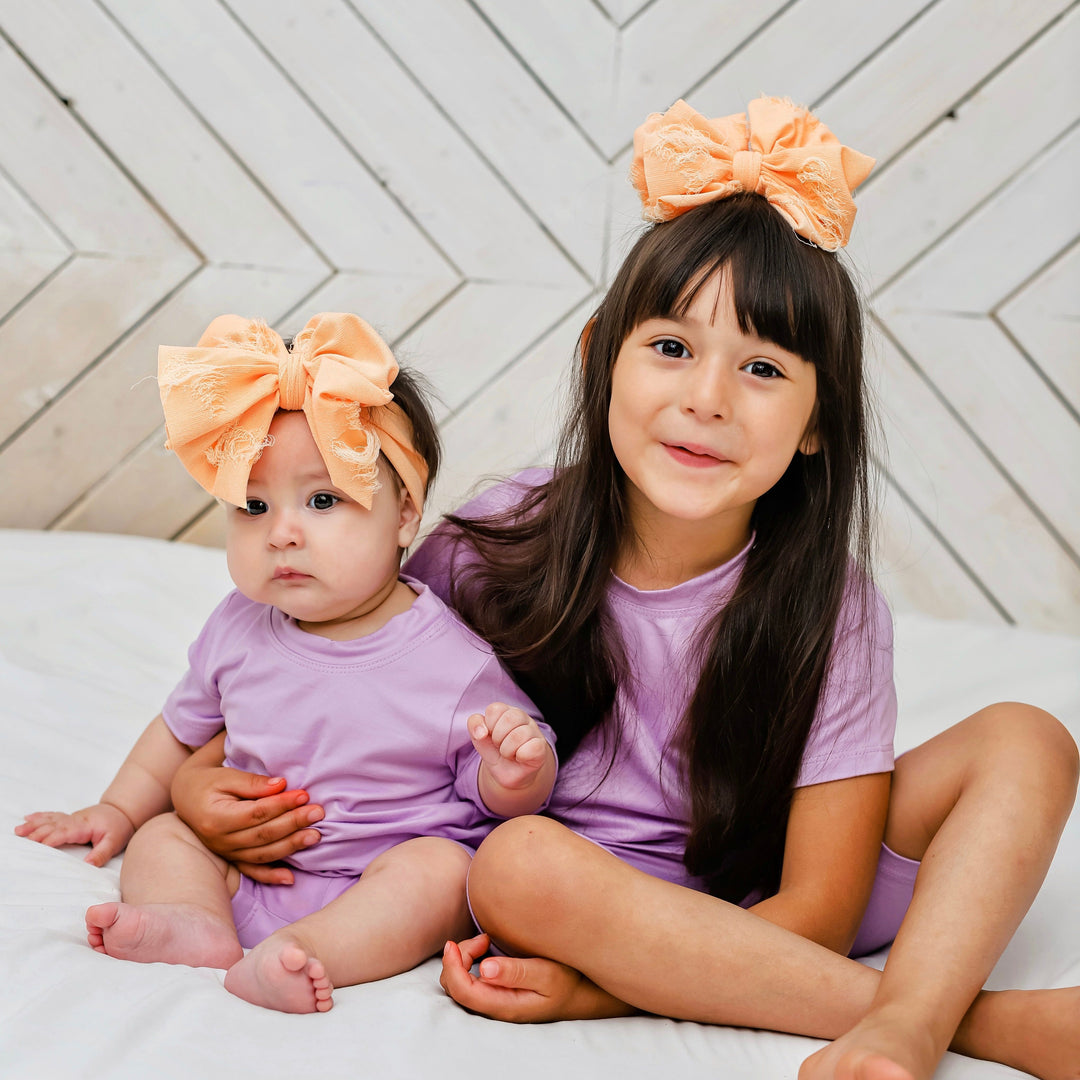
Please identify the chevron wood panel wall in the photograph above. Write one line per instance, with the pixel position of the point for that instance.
(454, 170)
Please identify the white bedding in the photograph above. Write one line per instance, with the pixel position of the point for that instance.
(95, 634)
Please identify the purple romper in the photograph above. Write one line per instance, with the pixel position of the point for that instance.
(638, 812)
(374, 729)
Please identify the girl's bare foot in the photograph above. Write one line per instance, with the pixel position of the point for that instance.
(880, 1047)
(169, 933)
(279, 974)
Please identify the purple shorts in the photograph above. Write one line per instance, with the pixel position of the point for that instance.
(893, 885)
(259, 910)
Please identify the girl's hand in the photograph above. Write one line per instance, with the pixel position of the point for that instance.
(510, 743)
(243, 817)
(105, 827)
(523, 990)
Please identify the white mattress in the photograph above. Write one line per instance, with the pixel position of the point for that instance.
(95, 634)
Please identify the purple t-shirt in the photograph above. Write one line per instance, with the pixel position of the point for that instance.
(639, 811)
(374, 728)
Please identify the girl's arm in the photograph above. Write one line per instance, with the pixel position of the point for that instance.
(138, 792)
(243, 817)
(831, 851)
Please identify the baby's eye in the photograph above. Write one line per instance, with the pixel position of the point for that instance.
(255, 507)
(763, 369)
(323, 500)
(671, 348)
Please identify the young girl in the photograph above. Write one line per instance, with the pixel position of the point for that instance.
(687, 598)
(325, 667)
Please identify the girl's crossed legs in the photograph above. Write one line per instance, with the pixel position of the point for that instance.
(981, 805)
(177, 909)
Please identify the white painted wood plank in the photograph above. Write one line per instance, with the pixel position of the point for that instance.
(934, 63)
(1045, 318)
(29, 249)
(67, 175)
(156, 136)
(1006, 404)
(917, 573)
(1001, 244)
(672, 46)
(148, 494)
(512, 122)
(72, 320)
(514, 422)
(936, 182)
(209, 530)
(244, 97)
(390, 303)
(407, 142)
(482, 328)
(115, 406)
(945, 474)
(803, 53)
(572, 46)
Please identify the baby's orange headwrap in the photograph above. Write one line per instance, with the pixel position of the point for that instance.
(775, 148)
(220, 397)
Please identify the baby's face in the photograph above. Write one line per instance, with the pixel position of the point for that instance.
(302, 545)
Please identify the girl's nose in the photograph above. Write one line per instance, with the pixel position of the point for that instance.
(706, 390)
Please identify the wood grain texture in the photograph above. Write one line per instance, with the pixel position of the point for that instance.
(455, 170)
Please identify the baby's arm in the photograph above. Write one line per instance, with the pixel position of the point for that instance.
(517, 770)
(139, 790)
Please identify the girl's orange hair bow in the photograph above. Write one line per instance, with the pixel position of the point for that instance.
(220, 397)
(775, 148)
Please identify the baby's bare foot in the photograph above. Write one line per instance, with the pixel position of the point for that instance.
(169, 933)
(879, 1047)
(279, 974)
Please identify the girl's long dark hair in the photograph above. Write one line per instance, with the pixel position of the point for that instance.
(537, 590)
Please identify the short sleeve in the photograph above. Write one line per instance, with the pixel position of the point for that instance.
(852, 733)
(491, 684)
(192, 711)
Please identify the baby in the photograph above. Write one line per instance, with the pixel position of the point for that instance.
(324, 667)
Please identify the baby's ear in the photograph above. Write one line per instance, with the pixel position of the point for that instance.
(408, 519)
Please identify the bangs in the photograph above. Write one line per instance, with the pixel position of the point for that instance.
(785, 290)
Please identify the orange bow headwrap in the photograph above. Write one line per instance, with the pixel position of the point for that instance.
(220, 397)
(776, 149)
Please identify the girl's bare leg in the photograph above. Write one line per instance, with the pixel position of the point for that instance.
(176, 905)
(408, 902)
(542, 891)
(982, 806)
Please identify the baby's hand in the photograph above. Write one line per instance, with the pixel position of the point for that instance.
(510, 744)
(105, 827)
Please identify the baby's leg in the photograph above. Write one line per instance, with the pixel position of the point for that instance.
(982, 806)
(176, 905)
(409, 902)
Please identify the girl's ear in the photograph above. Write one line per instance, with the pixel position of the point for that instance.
(408, 520)
(810, 444)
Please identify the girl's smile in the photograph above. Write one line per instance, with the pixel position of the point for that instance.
(704, 419)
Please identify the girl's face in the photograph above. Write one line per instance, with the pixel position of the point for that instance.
(704, 419)
(302, 545)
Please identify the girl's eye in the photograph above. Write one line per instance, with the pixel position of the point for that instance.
(255, 507)
(762, 369)
(323, 500)
(672, 349)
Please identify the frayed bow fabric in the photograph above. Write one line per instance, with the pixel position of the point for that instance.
(775, 148)
(220, 397)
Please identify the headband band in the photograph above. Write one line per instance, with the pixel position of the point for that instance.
(220, 397)
(775, 148)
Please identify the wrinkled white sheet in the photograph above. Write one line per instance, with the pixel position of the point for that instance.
(95, 633)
